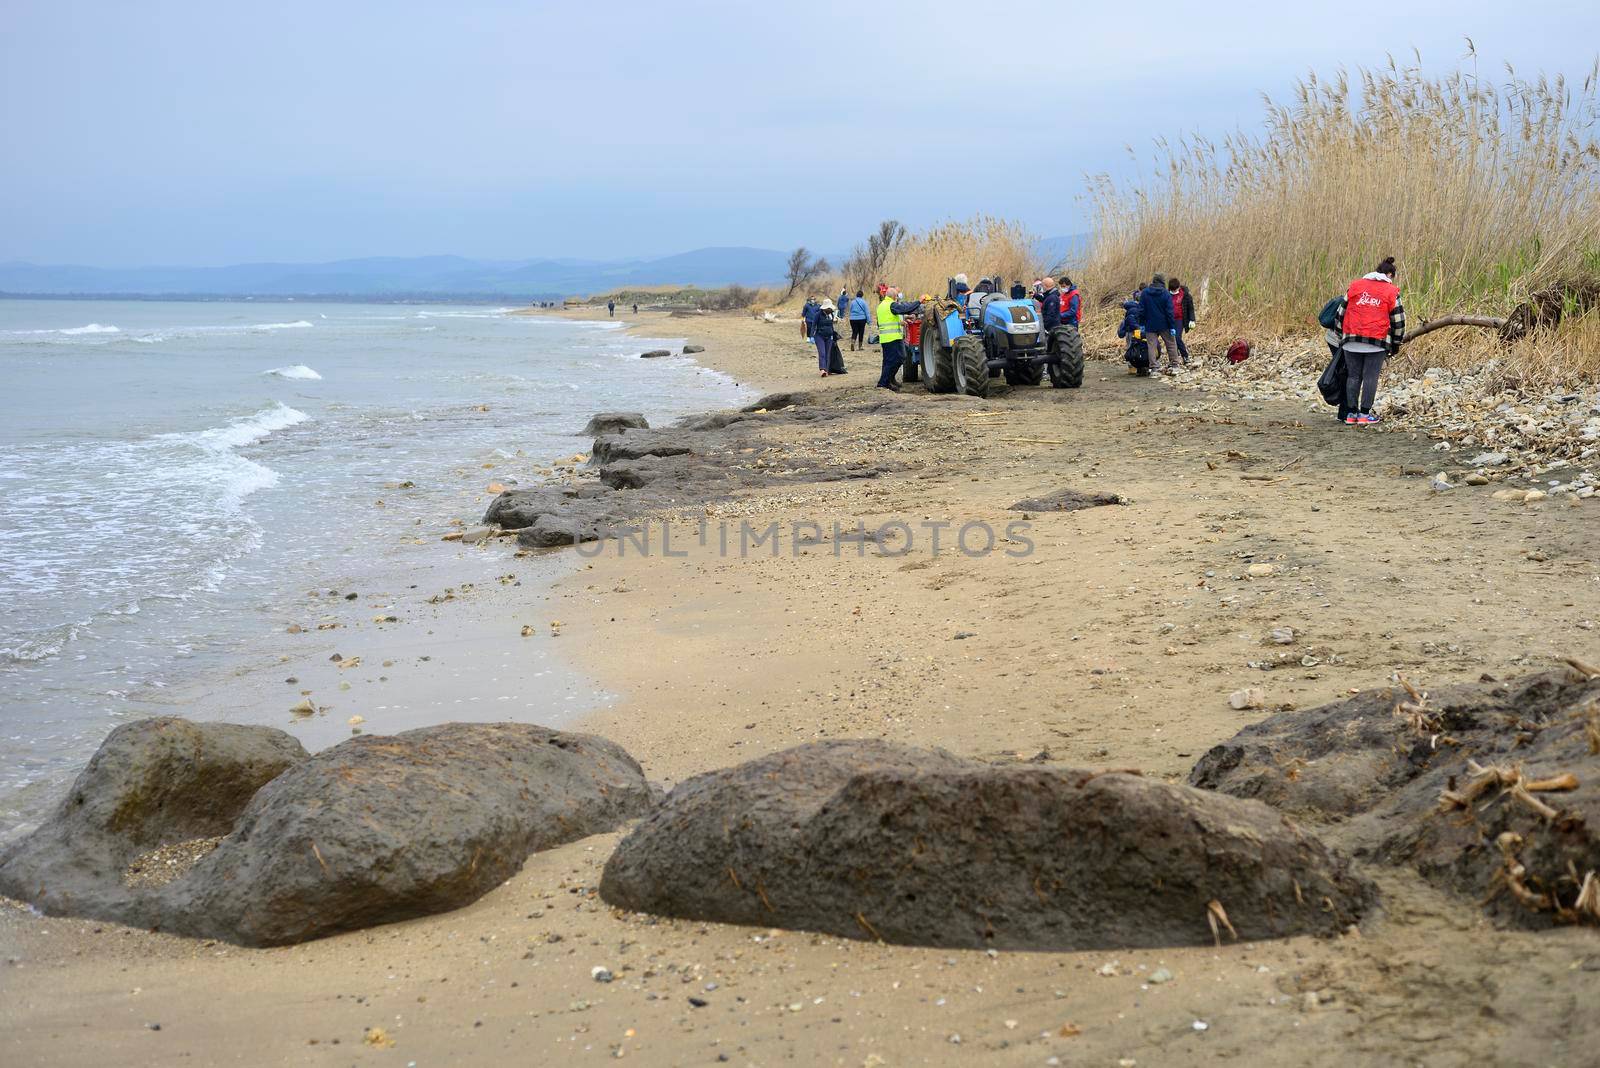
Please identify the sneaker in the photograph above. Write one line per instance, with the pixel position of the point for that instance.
(1352, 419)
(1366, 418)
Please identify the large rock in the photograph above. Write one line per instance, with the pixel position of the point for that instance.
(630, 446)
(152, 782)
(615, 423)
(379, 829)
(655, 354)
(552, 516)
(1377, 769)
(871, 839)
(667, 472)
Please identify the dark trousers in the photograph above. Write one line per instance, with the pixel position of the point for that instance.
(824, 350)
(1183, 350)
(858, 333)
(1361, 379)
(894, 354)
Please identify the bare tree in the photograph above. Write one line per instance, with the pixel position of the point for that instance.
(866, 262)
(802, 269)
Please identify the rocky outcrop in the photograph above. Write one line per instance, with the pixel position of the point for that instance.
(869, 839)
(614, 423)
(551, 516)
(1435, 781)
(153, 782)
(379, 829)
(655, 354)
(1065, 500)
(634, 444)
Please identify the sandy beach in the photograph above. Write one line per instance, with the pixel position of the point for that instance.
(1114, 643)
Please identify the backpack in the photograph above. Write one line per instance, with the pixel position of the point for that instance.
(1329, 315)
(1239, 351)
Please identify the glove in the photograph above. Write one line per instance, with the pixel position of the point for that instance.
(1138, 334)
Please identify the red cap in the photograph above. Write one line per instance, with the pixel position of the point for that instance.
(883, 287)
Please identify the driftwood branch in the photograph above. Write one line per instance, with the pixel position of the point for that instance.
(1488, 322)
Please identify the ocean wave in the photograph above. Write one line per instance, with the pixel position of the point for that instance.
(248, 430)
(299, 324)
(68, 331)
(297, 371)
(496, 313)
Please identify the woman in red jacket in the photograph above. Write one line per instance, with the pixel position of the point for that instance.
(1372, 325)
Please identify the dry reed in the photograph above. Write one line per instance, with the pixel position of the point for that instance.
(1483, 193)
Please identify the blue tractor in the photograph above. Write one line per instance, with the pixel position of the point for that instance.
(968, 339)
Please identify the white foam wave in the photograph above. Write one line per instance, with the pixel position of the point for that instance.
(68, 331)
(251, 428)
(495, 313)
(299, 324)
(296, 371)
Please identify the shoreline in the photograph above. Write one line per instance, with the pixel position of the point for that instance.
(1115, 644)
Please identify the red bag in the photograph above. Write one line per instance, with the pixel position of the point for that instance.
(1239, 351)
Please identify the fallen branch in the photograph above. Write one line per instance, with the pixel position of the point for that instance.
(1216, 914)
(1488, 322)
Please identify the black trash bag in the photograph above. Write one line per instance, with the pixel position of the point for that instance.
(1331, 384)
(836, 360)
(1138, 354)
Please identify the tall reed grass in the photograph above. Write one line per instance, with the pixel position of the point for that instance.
(922, 262)
(1484, 193)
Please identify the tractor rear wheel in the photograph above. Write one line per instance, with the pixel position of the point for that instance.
(938, 374)
(1066, 370)
(970, 366)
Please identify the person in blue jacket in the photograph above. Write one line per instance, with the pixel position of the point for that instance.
(1138, 351)
(859, 314)
(1160, 326)
(808, 315)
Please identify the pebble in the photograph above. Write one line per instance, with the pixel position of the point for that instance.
(1261, 570)
(600, 974)
(1161, 975)
(1283, 635)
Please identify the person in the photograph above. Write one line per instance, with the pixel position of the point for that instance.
(1137, 354)
(844, 301)
(611, 309)
(1071, 304)
(1160, 329)
(1372, 326)
(808, 315)
(824, 334)
(891, 332)
(859, 313)
(636, 309)
(1049, 304)
(1183, 312)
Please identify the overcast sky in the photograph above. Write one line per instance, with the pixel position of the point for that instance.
(217, 132)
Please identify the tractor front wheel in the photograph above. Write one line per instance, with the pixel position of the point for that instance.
(971, 367)
(1066, 370)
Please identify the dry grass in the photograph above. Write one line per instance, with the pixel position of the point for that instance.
(1483, 193)
(921, 263)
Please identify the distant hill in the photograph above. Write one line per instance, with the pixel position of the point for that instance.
(379, 278)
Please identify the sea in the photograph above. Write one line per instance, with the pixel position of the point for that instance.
(174, 475)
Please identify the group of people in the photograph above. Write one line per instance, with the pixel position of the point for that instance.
(1154, 319)
(1364, 327)
(820, 323)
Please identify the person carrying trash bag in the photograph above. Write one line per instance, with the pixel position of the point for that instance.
(826, 336)
(1372, 327)
(1332, 383)
(1137, 354)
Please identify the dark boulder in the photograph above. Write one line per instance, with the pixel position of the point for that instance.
(1434, 783)
(710, 420)
(655, 354)
(614, 423)
(556, 515)
(871, 839)
(379, 829)
(573, 526)
(663, 472)
(690, 350)
(151, 783)
(609, 448)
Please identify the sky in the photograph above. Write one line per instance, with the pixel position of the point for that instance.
(172, 132)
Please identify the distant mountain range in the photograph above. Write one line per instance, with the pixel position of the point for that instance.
(416, 278)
